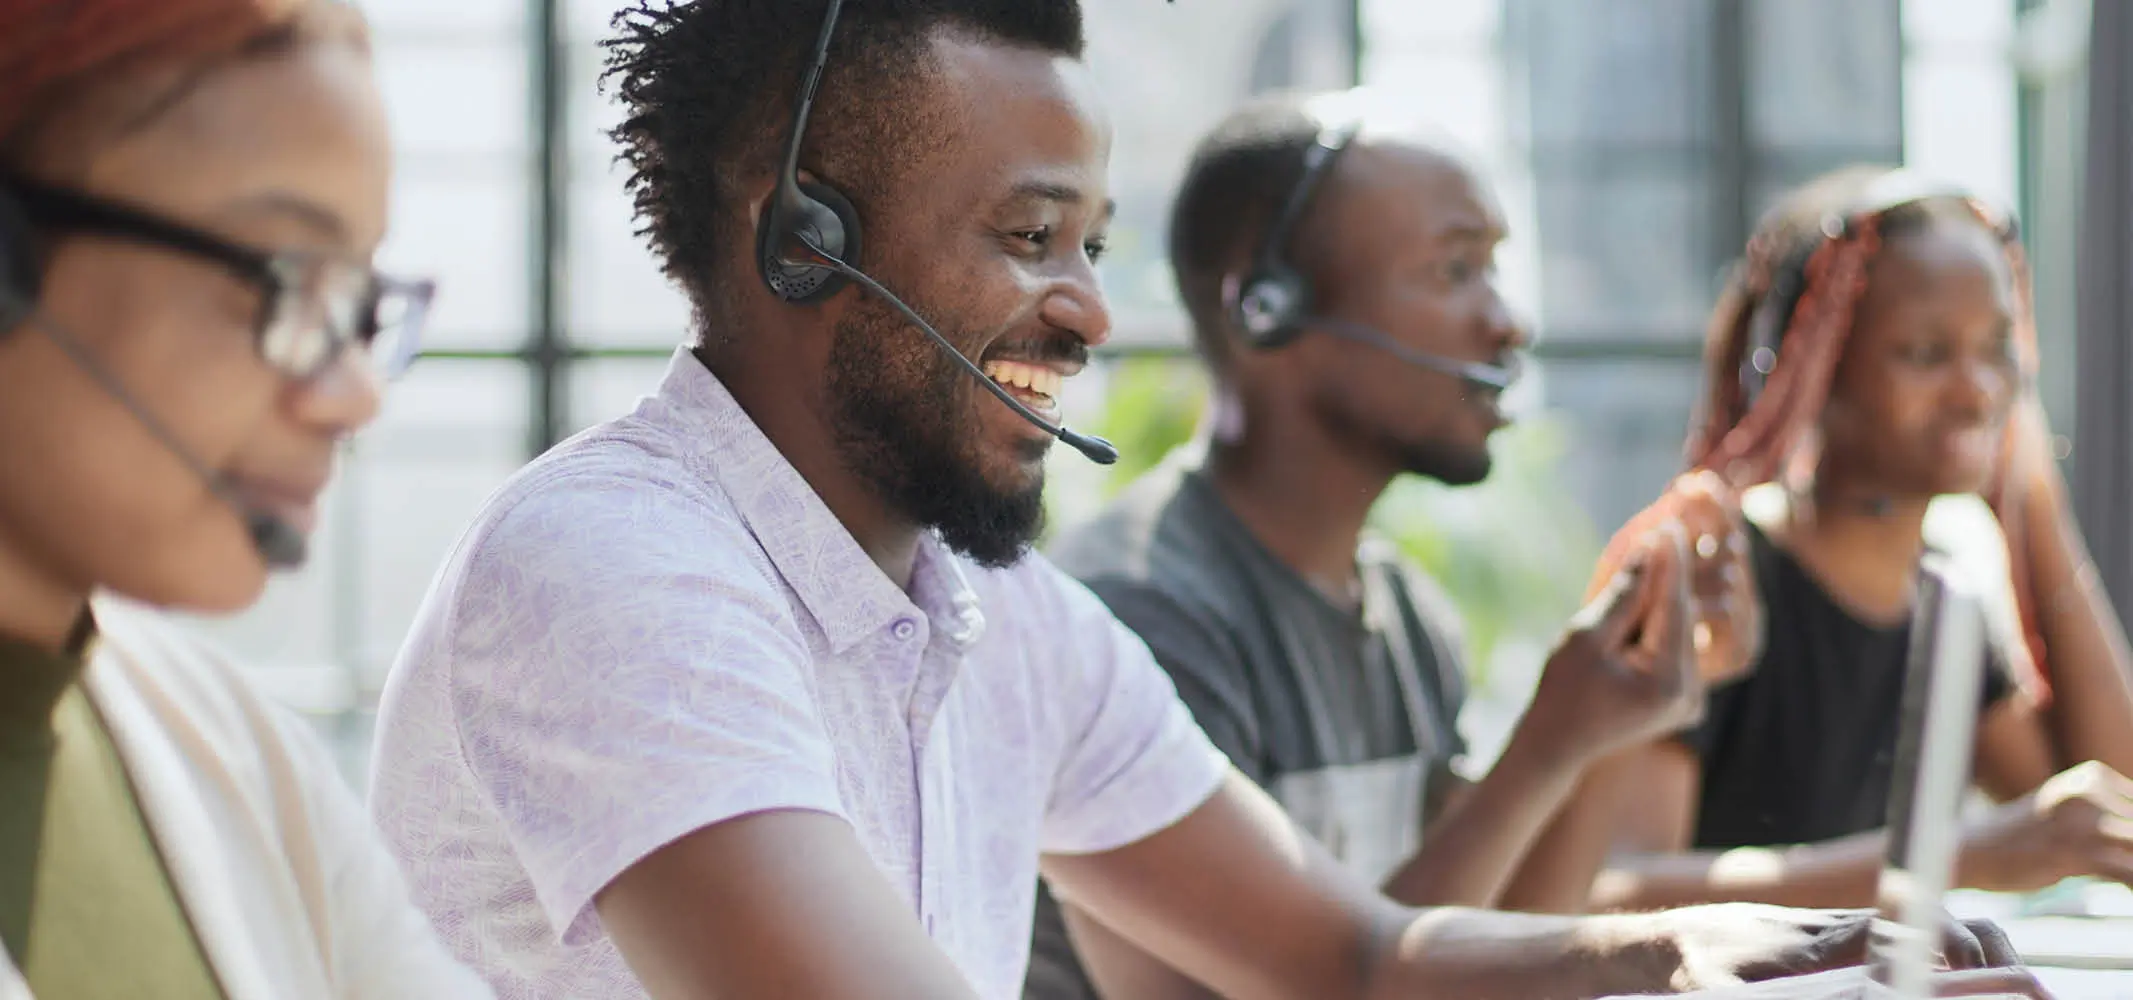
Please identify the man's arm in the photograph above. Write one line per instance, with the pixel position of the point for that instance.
(1595, 696)
(1473, 852)
(1231, 893)
(1478, 832)
(777, 904)
(1236, 897)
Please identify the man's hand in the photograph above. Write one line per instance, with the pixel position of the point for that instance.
(1729, 943)
(1626, 671)
(1857, 984)
(2078, 823)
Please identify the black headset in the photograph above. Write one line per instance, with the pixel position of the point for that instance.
(1896, 189)
(805, 218)
(1273, 299)
(20, 277)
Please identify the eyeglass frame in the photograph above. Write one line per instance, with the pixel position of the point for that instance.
(269, 272)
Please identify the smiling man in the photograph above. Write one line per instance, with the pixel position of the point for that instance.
(757, 693)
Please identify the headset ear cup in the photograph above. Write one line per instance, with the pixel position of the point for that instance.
(19, 277)
(1270, 308)
(828, 219)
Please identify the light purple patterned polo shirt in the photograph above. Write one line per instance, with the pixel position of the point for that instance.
(658, 626)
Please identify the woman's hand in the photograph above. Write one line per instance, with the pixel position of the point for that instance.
(1728, 622)
(2032, 475)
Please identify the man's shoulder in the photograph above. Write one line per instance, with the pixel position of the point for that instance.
(617, 493)
(612, 524)
(1432, 603)
(1162, 539)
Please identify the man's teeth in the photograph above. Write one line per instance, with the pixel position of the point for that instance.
(1036, 378)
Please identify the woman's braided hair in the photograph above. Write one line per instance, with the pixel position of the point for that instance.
(1799, 285)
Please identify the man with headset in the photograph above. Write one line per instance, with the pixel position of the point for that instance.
(756, 692)
(1324, 664)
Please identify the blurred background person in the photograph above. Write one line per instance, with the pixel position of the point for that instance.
(1320, 659)
(1863, 375)
(190, 193)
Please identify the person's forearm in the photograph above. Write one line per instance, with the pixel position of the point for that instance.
(1558, 872)
(1471, 854)
(1836, 873)
(1466, 954)
(2091, 668)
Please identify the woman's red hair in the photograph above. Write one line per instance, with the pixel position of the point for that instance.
(50, 49)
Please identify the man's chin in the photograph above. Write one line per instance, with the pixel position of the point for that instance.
(997, 532)
(1452, 467)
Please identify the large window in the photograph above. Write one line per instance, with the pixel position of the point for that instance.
(1659, 131)
(1633, 143)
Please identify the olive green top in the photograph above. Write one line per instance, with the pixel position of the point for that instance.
(87, 911)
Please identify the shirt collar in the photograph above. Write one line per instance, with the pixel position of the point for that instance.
(944, 592)
(848, 595)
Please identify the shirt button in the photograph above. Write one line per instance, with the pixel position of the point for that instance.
(904, 629)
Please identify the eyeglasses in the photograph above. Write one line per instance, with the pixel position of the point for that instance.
(312, 307)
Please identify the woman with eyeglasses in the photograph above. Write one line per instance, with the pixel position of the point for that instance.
(190, 195)
(1867, 387)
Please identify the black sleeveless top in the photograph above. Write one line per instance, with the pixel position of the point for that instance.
(1802, 748)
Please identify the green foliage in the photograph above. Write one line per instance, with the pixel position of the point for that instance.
(1513, 552)
(1151, 406)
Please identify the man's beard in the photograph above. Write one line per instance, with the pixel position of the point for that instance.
(897, 414)
(1447, 464)
(1431, 455)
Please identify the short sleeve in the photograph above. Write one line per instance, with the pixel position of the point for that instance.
(613, 695)
(1134, 761)
(1203, 663)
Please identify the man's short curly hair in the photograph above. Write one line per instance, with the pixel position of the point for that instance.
(708, 87)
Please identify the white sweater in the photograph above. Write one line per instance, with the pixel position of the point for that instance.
(274, 858)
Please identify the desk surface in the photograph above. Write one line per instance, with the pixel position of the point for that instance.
(2075, 942)
(2085, 984)
(2078, 936)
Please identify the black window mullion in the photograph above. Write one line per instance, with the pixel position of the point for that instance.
(546, 348)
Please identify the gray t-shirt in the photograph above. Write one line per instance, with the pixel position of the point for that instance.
(1347, 718)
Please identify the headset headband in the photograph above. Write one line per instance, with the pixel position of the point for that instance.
(1890, 191)
(1269, 303)
(1333, 140)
